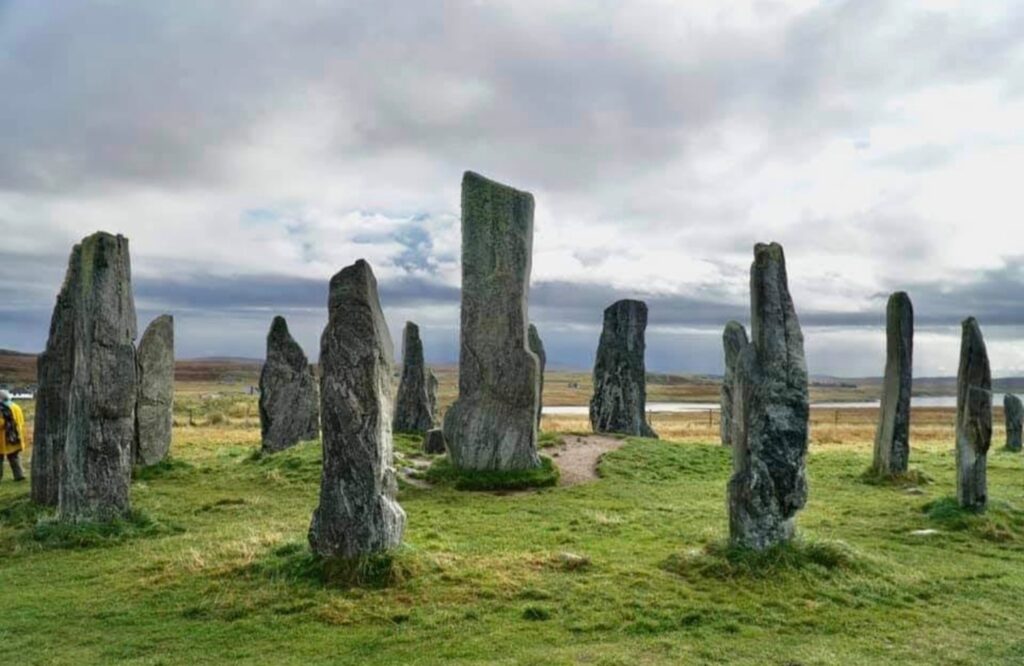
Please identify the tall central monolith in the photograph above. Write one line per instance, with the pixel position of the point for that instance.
(734, 341)
(973, 418)
(493, 423)
(96, 464)
(416, 403)
(358, 512)
(769, 482)
(892, 439)
(619, 402)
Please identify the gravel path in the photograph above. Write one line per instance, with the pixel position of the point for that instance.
(577, 457)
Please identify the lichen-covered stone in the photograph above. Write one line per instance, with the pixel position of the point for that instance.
(358, 513)
(95, 467)
(892, 439)
(289, 405)
(619, 402)
(734, 340)
(433, 442)
(154, 412)
(493, 423)
(973, 418)
(1014, 411)
(416, 402)
(537, 347)
(769, 483)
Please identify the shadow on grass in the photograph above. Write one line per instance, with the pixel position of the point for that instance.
(168, 468)
(295, 563)
(999, 522)
(442, 472)
(721, 561)
(908, 479)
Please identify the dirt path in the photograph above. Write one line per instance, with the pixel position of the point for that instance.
(577, 457)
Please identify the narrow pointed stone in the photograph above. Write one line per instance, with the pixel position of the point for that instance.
(769, 482)
(154, 413)
(973, 418)
(414, 407)
(493, 423)
(96, 464)
(289, 405)
(358, 513)
(892, 438)
(1014, 411)
(619, 402)
(734, 341)
(537, 347)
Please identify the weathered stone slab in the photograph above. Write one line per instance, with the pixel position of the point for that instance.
(734, 341)
(96, 465)
(1014, 411)
(154, 412)
(619, 403)
(973, 418)
(892, 438)
(493, 423)
(433, 442)
(416, 402)
(537, 347)
(358, 512)
(289, 405)
(769, 483)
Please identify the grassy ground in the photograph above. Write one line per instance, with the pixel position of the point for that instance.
(628, 570)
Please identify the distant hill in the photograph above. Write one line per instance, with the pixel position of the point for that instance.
(19, 369)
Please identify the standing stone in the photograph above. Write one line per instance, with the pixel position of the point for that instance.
(433, 442)
(892, 439)
(96, 464)
(619, 403)
(414, 407)
(769, 483)
(973, 418)
(358, 513)
(1014, 410)
(289, 412)
(537, 347)
(154, 412)
(493, 423)
(734, 340)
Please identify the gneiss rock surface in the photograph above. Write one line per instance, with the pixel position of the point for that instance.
(289, 408)
(433, 442)
(96, 465)
(358, 513)
(493, 423)
(620, 381)
(154, 412)
(1014, 410)
(537, 347)
(973, 418)
(769, 483)
(892, 439)
(414, 407)
(734, 340)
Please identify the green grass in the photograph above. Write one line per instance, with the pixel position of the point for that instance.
(627, 570)
(442, 472)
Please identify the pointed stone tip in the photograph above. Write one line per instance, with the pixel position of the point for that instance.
(473, 180)
(412, 327)
(279, 326)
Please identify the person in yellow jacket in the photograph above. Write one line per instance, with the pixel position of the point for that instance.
(12, 435)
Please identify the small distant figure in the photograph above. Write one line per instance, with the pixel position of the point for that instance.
(12, 435)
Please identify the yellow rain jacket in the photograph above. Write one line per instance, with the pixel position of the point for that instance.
(19, 420)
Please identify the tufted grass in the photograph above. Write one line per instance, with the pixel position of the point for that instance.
(442, 472)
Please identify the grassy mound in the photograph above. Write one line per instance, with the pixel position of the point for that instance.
(295, 563)
(55, 534)
(442, 472)
(911, 478)
(999, 522)
(721, 561)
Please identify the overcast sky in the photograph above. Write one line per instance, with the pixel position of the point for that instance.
(250, 149)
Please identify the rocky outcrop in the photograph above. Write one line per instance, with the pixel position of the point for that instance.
(96, 463)
(358, 513)
(433, 442)
(620, 381)
(289, 407)
(892, 439)
(537, 347)
(1014, 411)
(154, 411)
(493, 423)
(734, 340)
(416, 402)
(769, 484)
(973, 418)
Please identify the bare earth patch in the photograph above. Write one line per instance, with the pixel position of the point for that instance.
(577, 457)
